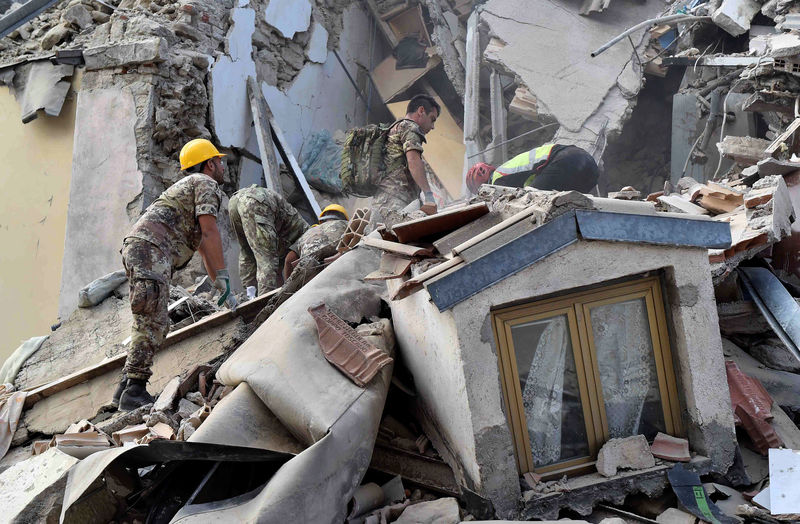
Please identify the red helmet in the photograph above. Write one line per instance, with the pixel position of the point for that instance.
(478, 174)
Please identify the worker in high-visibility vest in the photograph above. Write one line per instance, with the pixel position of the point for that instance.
(550, 167)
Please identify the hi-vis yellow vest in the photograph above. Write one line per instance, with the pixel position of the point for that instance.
(528, 162)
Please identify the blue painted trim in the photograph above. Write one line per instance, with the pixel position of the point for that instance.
(506, 260)
(653, 229)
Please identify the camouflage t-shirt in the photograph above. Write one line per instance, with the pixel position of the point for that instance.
(405, 136)
(171, 223)
(319, 238)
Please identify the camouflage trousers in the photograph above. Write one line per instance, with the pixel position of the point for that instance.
(265, 233)
(387, 209)
(149, 271)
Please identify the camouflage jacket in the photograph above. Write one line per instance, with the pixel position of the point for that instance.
(323, 237)
(171, 223)
(404, 136)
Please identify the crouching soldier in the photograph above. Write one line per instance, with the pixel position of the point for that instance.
(265, 225)
(320, 241)
(181, 221)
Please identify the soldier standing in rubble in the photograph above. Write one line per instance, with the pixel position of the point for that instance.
(405, 170)
(179, 222)
(265, 225)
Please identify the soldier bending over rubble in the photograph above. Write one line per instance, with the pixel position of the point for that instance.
(181, 221)
(265, 225)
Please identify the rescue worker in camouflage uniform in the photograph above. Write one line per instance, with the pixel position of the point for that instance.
(179, 222)
(405, 170)
(265, 225)
(320, 241)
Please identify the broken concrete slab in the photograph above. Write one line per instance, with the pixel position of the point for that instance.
(229, 108)
(784, 476)
(440, 511)
(734, 16)
(55, 413)
(32, 490)
(289, 16)
(151, 50)
(624, 453)
(317, 50)
(45, 89)
(105, 123)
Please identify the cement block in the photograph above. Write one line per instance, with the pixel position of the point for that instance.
(145, 51)
(317, 50)
(734, 16)
(289, 16)
(624, 453)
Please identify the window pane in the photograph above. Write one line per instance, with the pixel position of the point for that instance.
(627, 369)
(550, 393)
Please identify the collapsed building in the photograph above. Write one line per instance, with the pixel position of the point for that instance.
(533, 354)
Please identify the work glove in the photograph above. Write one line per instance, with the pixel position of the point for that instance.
(223, 283)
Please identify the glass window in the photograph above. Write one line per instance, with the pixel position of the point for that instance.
(580, 369)
(550, 391)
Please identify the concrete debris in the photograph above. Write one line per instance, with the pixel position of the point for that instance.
(442, 511)
(624, 453)
(32, 490)
(489, 349)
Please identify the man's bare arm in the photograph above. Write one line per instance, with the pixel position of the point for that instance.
(417, 169)
(211, 245)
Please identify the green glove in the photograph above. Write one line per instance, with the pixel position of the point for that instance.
(223, 283)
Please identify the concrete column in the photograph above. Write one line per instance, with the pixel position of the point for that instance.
(471, 96)
(499, 120)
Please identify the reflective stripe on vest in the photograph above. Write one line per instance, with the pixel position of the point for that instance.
(523, 163)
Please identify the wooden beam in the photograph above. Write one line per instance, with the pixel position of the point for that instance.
(248, 310)
(388, 34)
(265, 145)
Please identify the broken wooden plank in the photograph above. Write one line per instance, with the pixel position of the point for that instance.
(783, 137)
(247, 310)
(388, 34)
(392, 82)
(680, 205)
(391, 267)
(445, 221)
(290, 161)
(397, 248)
(718, 205)
(263, 135)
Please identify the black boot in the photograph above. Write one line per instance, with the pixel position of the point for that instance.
(118, 393)
(135, 395)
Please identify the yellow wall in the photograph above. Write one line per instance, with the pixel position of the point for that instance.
(34, 184)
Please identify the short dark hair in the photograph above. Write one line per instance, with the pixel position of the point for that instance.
(197, 168)
(427, 102)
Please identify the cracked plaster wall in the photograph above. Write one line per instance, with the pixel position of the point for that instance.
(549, 51)
(467, 396)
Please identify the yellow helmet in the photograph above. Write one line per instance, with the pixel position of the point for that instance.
(196, 151)
(334, 208)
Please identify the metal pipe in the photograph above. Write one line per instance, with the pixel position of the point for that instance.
(659, 20)
(504, 142)
(355, 85)
(22, 14)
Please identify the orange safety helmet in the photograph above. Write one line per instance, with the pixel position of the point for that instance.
(479, 174)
